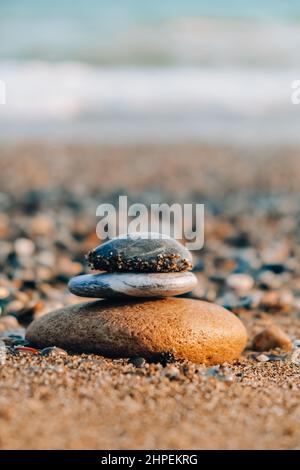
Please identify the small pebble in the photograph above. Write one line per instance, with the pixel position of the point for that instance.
(276, 268)
(213, 371)
(17, 334)
(220, 373)
(198, 266)
(276, 357)
(138, 362)
(262, 358)
(232, 302)
(295, 357)
(165, 358)
(15, 341)
(4, 293)
(171, 371)
(26, 349)
(269, 280)
(240, 282)
(270, 300)
(53, 351)
(24, 247)
(9, 322)
(272, 337)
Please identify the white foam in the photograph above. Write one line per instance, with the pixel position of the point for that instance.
(129, 102)
(69, 91)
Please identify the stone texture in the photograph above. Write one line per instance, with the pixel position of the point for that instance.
(132, 284)
(141, 253)
(189, 329)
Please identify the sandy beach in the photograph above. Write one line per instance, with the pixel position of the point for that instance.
(49, 194)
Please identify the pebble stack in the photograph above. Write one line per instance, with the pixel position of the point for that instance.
(138, 314)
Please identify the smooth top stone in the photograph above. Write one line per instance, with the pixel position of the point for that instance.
(141, 252)
(188, 329)
(116, 285)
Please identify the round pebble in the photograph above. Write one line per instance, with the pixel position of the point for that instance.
(53, 351)
(132, 285)
(4, 293)
(9, 322)
(262, 358)
(138, 362)
(26, 349)
(184, 328)
(145, 252)
(24, 247)
(241, 282)
(272, 337)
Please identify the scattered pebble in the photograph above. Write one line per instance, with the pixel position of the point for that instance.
(165, 358)
(269, 280)
(24, 247)
(276, 357)
(262, 358)
(53, 351)
(295, 357)
(270, 300)
(270, 338)
(10, 341)
(9, 322)
(26, 349)
(171, 371)
(221, 373)
(232, 302)
(276, 268)
(138, 362)
(240, 282)
(4, 293)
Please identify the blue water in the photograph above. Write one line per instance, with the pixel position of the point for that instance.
(118, 31)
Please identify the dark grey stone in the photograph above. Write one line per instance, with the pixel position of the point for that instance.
(141, 253)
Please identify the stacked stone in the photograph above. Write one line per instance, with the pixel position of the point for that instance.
(140, 265)
(138, 314)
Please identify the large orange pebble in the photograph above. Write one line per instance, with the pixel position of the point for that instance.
(189, 329)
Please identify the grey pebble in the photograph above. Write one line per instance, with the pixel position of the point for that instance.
(262, 358)
(118, 285)
(141, 252)
(138, 362)
(53, 351)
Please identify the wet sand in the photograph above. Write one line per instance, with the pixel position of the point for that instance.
(49, 195)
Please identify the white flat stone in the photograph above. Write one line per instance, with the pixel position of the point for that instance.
(132, 285)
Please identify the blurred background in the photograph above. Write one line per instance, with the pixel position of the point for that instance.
(126, 70)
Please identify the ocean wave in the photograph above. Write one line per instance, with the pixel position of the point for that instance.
(72, 91)
(183, 40)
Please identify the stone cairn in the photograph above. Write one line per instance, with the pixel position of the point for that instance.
(138, 314)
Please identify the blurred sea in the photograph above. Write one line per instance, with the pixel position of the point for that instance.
(132, 70)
